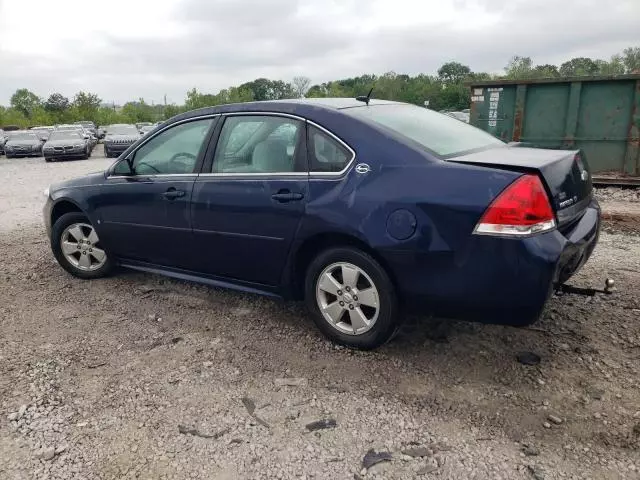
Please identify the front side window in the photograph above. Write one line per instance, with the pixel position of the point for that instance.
(260, 144)
(174, 151)
(326, 154)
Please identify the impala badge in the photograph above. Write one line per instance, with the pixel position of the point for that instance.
(363, 168)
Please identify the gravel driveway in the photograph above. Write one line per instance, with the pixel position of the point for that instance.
(137, 376)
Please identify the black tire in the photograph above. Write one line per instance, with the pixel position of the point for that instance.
(387, 322)
(47, 159)
(56, 238)
(9, 156)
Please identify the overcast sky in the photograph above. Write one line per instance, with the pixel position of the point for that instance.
(126, 49)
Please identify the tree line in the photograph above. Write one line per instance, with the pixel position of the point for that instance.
(447, 90)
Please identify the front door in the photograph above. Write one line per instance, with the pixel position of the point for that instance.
(246, 212)
(144, 210)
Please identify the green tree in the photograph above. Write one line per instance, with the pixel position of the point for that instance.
(56, 103)
(453, 72)
(12, 116)
(139, 111)
(579, 67)
(545, 71)
(631, 59)
(85, 106)
(519, 67)
(265, 89)
(25, 101)
(196, 99)
(171, 111)
(108, 116)
(613, 67)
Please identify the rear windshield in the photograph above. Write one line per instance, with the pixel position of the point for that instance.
(443, 135)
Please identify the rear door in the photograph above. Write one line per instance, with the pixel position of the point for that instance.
(246, 209)
(145, 214)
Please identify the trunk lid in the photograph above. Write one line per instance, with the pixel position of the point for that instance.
(565, 173)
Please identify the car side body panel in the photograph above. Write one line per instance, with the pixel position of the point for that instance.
(412, 211)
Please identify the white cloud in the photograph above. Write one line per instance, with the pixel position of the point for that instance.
(125, 49)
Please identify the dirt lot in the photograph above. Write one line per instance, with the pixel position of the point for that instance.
(137, 376)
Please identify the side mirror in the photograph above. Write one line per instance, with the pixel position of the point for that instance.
(123, 167)
(86, 137)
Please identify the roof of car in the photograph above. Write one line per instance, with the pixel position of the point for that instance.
(336, 103)
(306, 107)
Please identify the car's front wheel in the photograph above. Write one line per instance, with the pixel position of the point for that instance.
(351, 297)
(77, 248)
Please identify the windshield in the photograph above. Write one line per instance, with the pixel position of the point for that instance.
(122, 130)
(24, 136)
(65, 135)
(441, 134)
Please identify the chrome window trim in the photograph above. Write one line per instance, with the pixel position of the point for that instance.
(267, 114)
(307, 174)
(161, 175)
(147, 138)
(341, 142)
(253, 175)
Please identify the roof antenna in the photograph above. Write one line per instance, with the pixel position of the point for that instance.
(366, 99)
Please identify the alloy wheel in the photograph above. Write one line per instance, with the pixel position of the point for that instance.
(81, 247)
(348, 299)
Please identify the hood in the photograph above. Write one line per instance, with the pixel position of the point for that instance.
(23, 143)
(64, 142)
(90, 179)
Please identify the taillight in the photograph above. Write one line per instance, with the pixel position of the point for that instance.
(522, 209)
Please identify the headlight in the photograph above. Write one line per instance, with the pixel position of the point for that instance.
(8, 147)
(78, 145)
(46, 192)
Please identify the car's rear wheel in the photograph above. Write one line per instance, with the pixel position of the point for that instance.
(77, 248)
(351, 297)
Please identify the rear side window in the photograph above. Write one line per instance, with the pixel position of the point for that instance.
(260, 144)
(326, 154)
(441, 134)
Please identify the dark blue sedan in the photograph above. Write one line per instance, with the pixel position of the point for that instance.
(364, 210)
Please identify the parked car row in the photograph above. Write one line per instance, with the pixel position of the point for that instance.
(69, 141)
(52, 142)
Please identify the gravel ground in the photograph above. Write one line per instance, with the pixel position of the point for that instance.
(137, 376)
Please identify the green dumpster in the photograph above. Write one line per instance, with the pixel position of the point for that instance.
(600, 115)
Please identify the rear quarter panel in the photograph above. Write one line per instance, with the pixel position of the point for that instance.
(446, 199)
